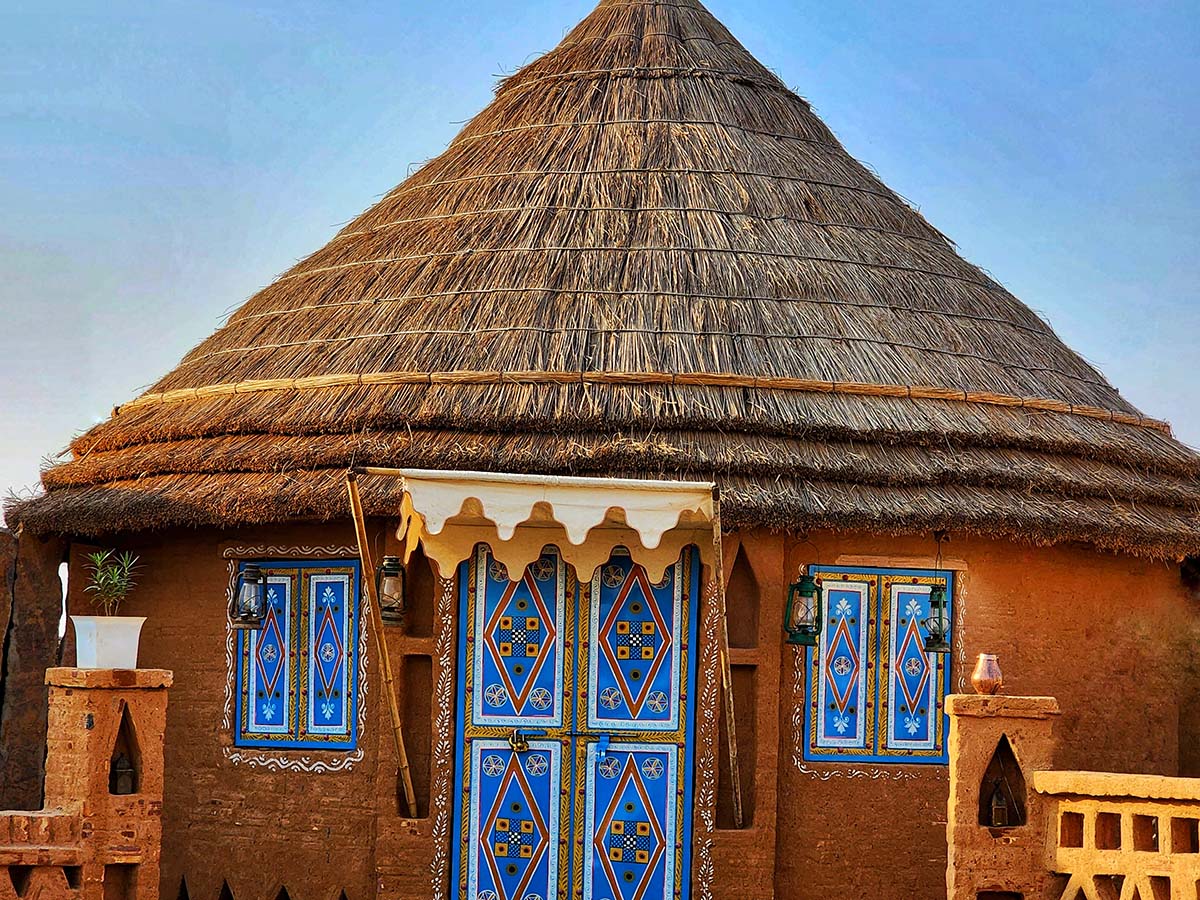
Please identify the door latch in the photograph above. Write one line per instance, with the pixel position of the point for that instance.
(518, 740)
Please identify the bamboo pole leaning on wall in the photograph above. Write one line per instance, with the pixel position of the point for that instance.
(735, 776)
(368, 575)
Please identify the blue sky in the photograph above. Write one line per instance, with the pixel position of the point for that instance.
(161, 161)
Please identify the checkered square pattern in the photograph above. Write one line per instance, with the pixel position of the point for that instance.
(636, 640)
(514, 837)
(520, 641)
(629, 842)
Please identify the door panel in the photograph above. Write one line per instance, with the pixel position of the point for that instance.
(513, 827)
(588, 800)
(631, 828)
(635, 630)
(518, 636)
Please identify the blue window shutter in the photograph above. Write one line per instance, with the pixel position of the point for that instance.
(913, 683)
(873, 695)
(266, 676)
(840, 707)
(297, 676)
(331, 629)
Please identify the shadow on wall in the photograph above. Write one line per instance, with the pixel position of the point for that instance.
(31, 609)
(1189, 713)
(1190, 573)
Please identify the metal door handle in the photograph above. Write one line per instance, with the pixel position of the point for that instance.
(519, 739)
(602, 740)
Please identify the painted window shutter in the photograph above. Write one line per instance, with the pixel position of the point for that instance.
(913, 686)
(873, 694)
(842, 670)
(297, 676)
(268, 679)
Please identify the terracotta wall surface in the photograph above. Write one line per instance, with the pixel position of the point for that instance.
(30, 609)
(1106, 635)
(260, 831)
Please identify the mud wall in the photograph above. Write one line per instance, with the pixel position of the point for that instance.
(238, 830)
(1109, 636)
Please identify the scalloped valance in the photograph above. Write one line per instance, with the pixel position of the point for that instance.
(448, 513)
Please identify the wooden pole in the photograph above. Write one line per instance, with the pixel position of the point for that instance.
(377, 470)
(726, 672)
(385, 662)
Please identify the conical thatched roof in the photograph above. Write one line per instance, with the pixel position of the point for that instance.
(646, 257)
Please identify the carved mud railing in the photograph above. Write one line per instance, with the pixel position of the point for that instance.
(1019, 830)
(1123, 836)
(41, 852)
(99, 836)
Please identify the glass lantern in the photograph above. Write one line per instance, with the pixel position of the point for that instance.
(804, 612)
(938, 625)
(249, 607)
(389, 584)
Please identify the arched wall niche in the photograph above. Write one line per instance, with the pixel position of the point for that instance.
(1002, 791)
(125, 760)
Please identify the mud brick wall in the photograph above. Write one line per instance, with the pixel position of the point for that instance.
(1110, 636)
(239, 830)
(985, 859)
(30, 608)
(89, 843)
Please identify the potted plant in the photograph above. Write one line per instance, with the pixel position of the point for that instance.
(108, 641)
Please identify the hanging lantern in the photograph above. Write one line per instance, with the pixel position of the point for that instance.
(389, 584)
(249, 607)
(121, 776)
(938, 625)
(999, 812)
(804, 613)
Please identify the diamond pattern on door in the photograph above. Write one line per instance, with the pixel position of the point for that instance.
(575, 731)
(515, 831)
(635, 627)
(630, 823)
(517, 643)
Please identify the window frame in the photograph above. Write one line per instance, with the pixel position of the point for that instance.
(298, 733)
(878, 743)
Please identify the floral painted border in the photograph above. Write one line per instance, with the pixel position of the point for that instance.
(875, 773)
(706, 741)
(443, 728)
(316, 763)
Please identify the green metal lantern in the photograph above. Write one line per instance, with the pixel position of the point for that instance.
(804, 612)
(938, 625)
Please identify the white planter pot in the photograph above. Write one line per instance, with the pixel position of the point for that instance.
(107, 642)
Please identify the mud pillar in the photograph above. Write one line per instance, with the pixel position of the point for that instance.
(104, 761)
(996, 826)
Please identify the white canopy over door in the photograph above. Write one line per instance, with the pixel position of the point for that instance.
(517, 515)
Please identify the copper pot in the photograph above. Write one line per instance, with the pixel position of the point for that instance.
(987, 677)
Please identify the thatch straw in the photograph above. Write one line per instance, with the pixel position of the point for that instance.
(646, 256)
(718, 379)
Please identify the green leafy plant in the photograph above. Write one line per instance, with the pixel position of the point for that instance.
(113, 576)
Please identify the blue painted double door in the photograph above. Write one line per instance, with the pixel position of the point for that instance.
(575, 730)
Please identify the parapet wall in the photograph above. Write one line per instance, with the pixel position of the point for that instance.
(99, 835)
(1019, 830)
